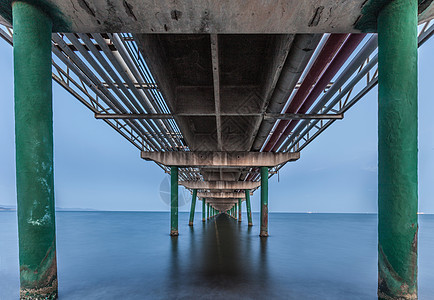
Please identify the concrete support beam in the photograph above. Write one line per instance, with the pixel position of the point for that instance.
(239, 209)
(248, 208)
(220, 185)
(264, 202)
(34, 152)
(203, 210)
(193, 207)
(220, 159)
(397, 150)
(223, 195)
(173, 201)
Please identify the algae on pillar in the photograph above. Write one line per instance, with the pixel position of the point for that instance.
(248, 208)
(34, 152)
(264, 202)
(193, 207)
(397, 150)
(174, 201)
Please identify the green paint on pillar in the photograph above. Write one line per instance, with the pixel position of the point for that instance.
(34, 152)
(203, 210)
(397, 151)
(264, 202)
(207, 211)
(193, 207)
(248, 208)
(239, 210)
(174, 201)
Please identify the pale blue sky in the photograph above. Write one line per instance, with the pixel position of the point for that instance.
(96, 168)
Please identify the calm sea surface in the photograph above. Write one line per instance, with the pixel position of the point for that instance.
(129, 255)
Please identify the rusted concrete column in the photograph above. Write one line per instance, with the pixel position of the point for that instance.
(239, 210)
(34, 151)
(193, 207)
(248, 208)
(203, 210)
(174, 201)
(397, 150)
(264, 202)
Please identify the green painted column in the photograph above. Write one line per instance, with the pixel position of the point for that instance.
(239, 210)
(193, 207)
(248, 208)
(174, 201)
(235, 210)
(203, 210)
(34, 152)
(397, 150)
(207, 211)
(264, 202)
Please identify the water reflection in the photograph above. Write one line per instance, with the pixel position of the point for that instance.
(223, 261)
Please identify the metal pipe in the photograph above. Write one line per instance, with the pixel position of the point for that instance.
(341, 57)
(34, 152)
(397, 150)
(331, 47)
(173, 201)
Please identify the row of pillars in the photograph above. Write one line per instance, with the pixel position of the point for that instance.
(397, 152)
(208, 211)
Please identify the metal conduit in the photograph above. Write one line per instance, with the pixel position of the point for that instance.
(352, 67)
(135, 74)
(144, 108)
(346, 50)
(97, 87)
(132, 104)
(331, 47)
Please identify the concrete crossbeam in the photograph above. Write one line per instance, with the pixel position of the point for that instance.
(220, 185)
(221, 195)
(220, 159)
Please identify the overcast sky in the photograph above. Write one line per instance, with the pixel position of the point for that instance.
(98, 169)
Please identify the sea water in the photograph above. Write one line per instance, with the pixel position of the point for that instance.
(130, 255)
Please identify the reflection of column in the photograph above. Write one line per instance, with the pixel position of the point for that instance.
(193, 207)
(174, 201)
(397, 150)
(34, 151)
(264, 202)
(248, 208)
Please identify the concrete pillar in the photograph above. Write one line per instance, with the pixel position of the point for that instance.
(203, 210)
(239, 210)
(174, 201)
(207, 211)
(193, 207)
(397, 150)
(248, 208)
(264, 202)
(34, 152)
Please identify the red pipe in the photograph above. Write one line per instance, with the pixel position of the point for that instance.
(331, 47)
(344, 53)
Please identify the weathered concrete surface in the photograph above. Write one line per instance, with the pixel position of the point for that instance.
(220, 159)
(34, 153)
(205, 16)
(220, 185)
(221, 195)
(397, 151)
